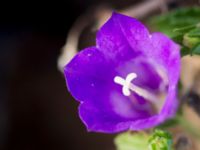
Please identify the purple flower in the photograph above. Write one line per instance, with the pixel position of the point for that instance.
(128, 81)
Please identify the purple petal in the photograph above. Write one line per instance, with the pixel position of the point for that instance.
(162, 49)
(108, 112)
(166, 53)
(133, 30)
(86, 73)
(103, 106)
(145, 71)
(120, 37)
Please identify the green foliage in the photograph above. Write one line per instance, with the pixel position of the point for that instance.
(167, 124)
(176, 22)
(131, 141)
(196, 49)
(183, 26)
(195, 33)
(192, 38)
(160, 140)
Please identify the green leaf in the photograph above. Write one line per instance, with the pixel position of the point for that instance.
(132, 141)
(160, 140)
(183, 26)
(176, 22)
(196, 49)
(185, 51)
(168, 123)
(185, 29)
(194, 33)
(192, 38)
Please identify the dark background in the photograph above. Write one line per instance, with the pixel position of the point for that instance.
(36, 111)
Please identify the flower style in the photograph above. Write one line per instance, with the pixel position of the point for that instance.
(128, 81)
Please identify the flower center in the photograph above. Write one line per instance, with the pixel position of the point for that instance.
(127, 87)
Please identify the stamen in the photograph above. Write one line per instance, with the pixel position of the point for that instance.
(127, 86)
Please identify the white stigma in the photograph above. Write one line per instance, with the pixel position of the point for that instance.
(127, 86)
(125, 83)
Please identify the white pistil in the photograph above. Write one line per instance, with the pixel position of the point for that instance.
(127, 86)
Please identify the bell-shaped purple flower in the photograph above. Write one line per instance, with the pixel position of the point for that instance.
(128, 81)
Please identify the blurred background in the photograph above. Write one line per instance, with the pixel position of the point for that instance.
(36, 110)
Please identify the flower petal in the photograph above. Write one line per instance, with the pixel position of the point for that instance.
(145, 71)
(166, 53)
(121, 36)
(87, 73)
(103, 106)
(133, 30)
(162, 49)
(108, 112)
(98, 120)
